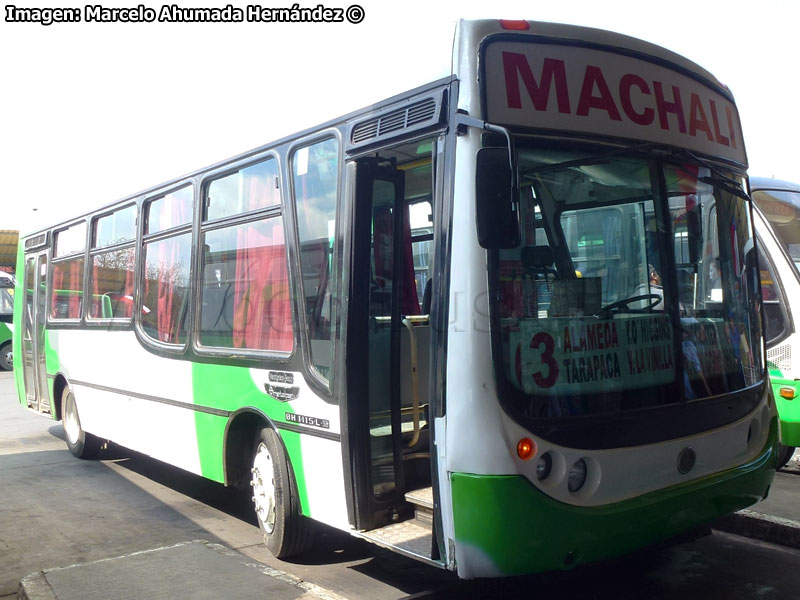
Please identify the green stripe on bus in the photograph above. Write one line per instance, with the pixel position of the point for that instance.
(507, 521)
(788, 410)
(232, 388)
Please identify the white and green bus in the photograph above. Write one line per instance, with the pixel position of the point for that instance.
(6, 323)
(778, 232)
(561, 391)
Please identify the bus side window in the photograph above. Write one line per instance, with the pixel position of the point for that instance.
(245, 298)
(167, 266)
(315, 171)
(6, 302)
(111, 268)
(66, 299)
(773, 302)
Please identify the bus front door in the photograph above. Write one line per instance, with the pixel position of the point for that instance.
(33, 333)
(373, 348)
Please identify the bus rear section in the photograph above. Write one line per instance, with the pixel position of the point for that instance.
(778, 232)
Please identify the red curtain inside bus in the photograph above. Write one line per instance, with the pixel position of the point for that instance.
(65, 300)
(383, 232)
(167, 268)
(262, 312)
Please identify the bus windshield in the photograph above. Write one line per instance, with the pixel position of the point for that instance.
(632, 287)
(782, 209)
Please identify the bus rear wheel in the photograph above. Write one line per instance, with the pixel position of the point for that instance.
(6, 357)
(80, 443)
(286, 531)
(784, 455)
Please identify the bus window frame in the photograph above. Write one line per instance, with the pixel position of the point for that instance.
(782, 301)
(93, 251)
(142, 238)
(328, 386)
(53, 260)
(221, 353)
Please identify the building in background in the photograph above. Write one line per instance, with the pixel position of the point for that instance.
(8, 250)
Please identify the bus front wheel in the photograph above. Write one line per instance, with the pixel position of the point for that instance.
(80, 443)
(784, 455)
(286, 531)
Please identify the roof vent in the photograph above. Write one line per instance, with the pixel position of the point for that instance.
(416, 115)
(36, 241)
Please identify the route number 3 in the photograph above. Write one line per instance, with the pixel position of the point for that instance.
(546, 340)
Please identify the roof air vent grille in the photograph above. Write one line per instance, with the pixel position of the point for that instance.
(419, 114)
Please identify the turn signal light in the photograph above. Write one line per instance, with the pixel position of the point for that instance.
(787, 392)
(514, 25)
(526, 448)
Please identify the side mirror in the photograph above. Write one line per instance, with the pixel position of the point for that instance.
(496, 200)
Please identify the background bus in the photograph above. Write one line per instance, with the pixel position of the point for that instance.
(561, 391)
(778, 230)
(6, 320)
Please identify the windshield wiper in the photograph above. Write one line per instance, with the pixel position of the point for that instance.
(719, 179)
(729, 185)
(597, 159)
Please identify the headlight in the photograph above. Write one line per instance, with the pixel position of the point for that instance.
(544, 466)
(577, 476)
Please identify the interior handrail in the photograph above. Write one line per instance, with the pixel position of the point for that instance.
(412, 343)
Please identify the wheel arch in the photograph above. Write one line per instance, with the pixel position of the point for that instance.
(237, 444)
(59, 383)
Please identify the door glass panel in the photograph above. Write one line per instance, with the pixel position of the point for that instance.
(380, 337)
(41, 313)
(28, 356)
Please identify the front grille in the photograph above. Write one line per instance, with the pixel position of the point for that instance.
(781, 357)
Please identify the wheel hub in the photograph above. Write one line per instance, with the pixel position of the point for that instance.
(263, 483)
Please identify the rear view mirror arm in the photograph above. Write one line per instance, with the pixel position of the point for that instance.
(463, 120)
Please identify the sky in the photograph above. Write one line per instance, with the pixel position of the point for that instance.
(94, 112)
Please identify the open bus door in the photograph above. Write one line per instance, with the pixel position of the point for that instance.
(387, 349)
(373, 347)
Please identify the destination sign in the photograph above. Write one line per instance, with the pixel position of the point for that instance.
(583, 90)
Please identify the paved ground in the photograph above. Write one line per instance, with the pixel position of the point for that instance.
(784, 495)
(57, 511)
(191, 570)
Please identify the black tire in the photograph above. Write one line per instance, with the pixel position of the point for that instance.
(80, 443)
(286, 531)
(784, 455)
(6, 362)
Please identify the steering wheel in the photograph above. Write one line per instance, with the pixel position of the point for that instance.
(623, 303)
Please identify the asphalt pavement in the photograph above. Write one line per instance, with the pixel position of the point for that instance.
(195, 570)
(198, 569)
(776, 519)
